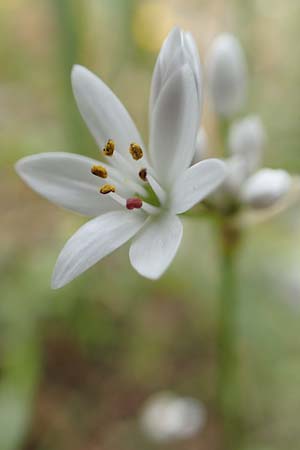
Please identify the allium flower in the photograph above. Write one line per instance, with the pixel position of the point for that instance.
(167, 417)
(141, 193)
(227, 75)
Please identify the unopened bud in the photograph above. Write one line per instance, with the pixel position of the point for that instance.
(227, 75)
(246, 140)
(266, 187)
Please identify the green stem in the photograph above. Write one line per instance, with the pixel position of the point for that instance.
(228, 395)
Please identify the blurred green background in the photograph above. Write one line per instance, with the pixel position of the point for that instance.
(76, 365)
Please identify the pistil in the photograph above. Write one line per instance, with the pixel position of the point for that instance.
(134, 203)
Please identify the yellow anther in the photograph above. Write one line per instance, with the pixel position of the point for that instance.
(109, 148)
(99, 171)
(143, 174)
(135, 151)
(107, 188)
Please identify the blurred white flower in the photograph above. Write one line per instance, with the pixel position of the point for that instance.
(237, 172)
(201, 149)
(167, 417)
(246, 184)
(246, 140)
(125, 209)
(227, 75)
(266, 187)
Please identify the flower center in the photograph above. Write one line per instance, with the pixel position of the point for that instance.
(137, 154)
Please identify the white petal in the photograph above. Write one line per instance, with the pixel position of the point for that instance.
(165, 63)
(227, 75)
(66, 180)
(93, 241)
(174, 125)
(104, 114)
(179, 48)
(201, 147)
(246, 139)
(196, 183)
(153, 250)
(266, 187)
(192, 49)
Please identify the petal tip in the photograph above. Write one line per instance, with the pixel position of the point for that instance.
(55, 286)
(76, 69)
(152, 276)
(175, 30)
(77, 73)
(18, 166)
(22, 164)
(56, 281)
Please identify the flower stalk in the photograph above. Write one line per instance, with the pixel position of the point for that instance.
(228, 391)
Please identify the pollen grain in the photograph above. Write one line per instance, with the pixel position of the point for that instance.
(107, 188)
(109, 148)
(143, 174)
(136, 151)
(99, 171)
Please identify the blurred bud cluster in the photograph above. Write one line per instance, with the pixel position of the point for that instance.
(248, 184)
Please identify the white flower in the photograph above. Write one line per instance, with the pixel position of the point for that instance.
(132, 178)
(266, 187)
(167, 417)
(227, 75)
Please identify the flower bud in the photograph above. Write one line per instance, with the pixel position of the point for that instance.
(246, 140)
(227, 73)
(201, 148)
(266, 187)
(167, 417)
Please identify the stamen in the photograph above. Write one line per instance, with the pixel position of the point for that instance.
(99, 171)
(107, 188)
(135, 151)
(143, 174)
(134, 203)
(109, 148)
(157, 189)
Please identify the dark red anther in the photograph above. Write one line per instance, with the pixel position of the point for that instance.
(134, 203)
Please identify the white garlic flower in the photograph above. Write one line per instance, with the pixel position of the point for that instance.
(135, 193)
(227, 75)
(167, 417)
